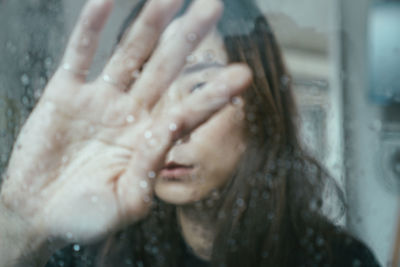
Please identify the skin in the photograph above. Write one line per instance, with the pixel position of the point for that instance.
(214, 150)
(83, 164)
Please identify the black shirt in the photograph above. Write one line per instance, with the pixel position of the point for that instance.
(346, 252)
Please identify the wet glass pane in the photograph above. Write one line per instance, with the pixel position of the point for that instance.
(199, 133)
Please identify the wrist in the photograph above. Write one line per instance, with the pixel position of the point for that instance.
(20, 245)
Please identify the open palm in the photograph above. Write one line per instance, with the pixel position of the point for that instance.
(86, 160)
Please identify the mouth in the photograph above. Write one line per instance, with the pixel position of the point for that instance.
(175, 171)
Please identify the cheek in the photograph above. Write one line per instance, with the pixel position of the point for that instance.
(223, 131)
(215, 148)
(220, 143)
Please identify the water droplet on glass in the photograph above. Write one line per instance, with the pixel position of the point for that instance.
(251, 117)
(11, 47)
(25, 79)
(265, 254)
(209, 56)
(136, 74)
(209, 203)
(151, 174)
(130, 119)
(37, 94)
(10, 113)
(320, 241)
(221, 215)
(64, 159)
(91, 129)
(143, 184)
(48, 62)
(94, 199)
(85, 41)
(146, 199)
(376, 126)
(179, 142)
(313, 205)
(172, 127)
(128, 261)
(76, 247)
(190, 59)
(191, 37)
(42, 81)
(240, 202)
(356, 263)
(148, 134)
(237, 101)
(68, 235)
(48, 145)
(215, 194)
(153, 142)
(25, 100)
(194, 177)
(50, 106)
(85, 22)
(108, 79)
(254, 129)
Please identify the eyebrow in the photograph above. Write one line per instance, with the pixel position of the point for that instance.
(201, 66)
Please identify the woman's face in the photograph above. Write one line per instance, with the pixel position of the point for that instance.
(199, 164)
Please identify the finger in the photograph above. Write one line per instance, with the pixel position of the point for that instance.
(200, 106)
(141, 39)
(170, 56)
(84, 39)
(135, 189)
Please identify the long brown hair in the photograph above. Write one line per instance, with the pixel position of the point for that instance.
(271, 212)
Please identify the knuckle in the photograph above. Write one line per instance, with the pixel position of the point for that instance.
(130, 47)
(177, 117)
(133, 61)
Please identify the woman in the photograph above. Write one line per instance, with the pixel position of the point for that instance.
(166, 156)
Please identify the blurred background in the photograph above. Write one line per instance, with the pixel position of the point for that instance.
(343, 56)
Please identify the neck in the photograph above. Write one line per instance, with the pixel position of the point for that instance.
(198, 225)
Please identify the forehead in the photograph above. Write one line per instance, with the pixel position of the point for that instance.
(210, 49)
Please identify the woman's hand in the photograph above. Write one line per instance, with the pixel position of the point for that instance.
(85, 161)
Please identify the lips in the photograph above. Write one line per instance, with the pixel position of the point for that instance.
(174, 170)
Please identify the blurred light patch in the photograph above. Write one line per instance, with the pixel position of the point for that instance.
(384, 52)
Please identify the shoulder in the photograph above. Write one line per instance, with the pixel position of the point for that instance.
(349, 251)
(334, 247)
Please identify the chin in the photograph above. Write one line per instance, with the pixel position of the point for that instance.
(177, 193)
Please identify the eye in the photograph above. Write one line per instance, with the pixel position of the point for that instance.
(197, 87)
